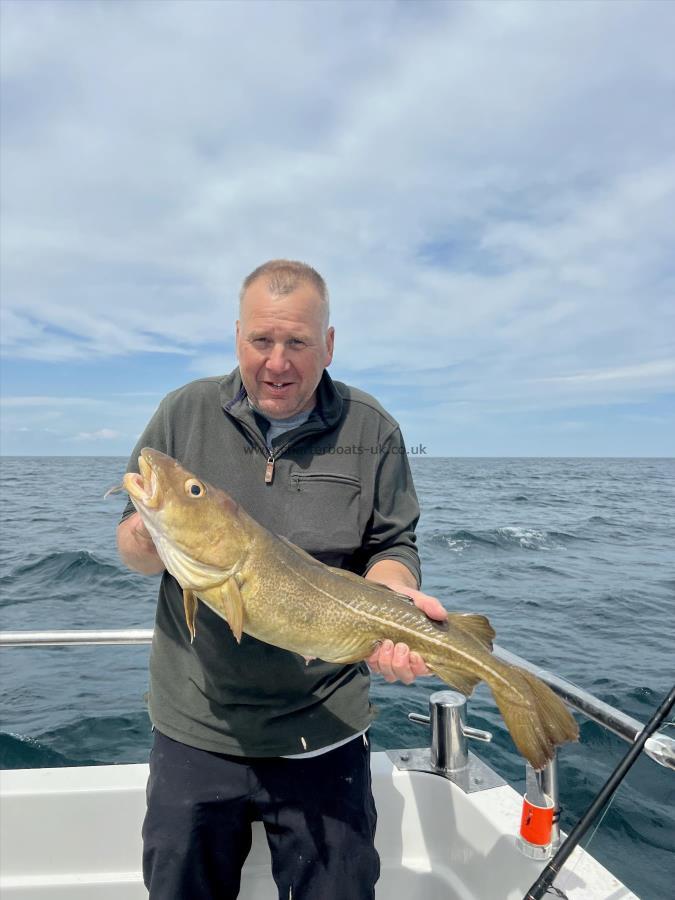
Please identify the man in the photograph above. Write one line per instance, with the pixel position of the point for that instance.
(250, 732)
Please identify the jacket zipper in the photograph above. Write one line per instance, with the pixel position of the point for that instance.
(274, 456)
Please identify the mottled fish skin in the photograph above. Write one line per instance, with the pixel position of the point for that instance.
(272, 590)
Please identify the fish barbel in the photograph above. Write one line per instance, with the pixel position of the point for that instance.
(267, 587)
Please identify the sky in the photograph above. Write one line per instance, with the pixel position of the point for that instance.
(487, 187)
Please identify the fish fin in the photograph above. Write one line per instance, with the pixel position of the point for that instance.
(537, 719)
(462, 681)
(303, 553)
(343, 573)
(354, 656)
(113, 490)
(234, 607)
(365, 584)
(351, 576)
(190, 605)
(476, 625)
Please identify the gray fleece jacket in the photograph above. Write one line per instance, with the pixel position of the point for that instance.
(340, 487)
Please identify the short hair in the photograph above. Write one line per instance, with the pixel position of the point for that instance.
(283, 276)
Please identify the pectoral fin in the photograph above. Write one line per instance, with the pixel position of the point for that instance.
(190, 604)
(234, 607)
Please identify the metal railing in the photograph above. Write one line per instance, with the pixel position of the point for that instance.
(659, 747)
(64, 638)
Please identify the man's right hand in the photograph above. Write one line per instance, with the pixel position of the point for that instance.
(136, 548)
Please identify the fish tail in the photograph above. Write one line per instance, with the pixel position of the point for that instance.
(537, 719)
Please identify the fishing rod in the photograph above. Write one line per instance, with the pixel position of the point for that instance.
(549, 873)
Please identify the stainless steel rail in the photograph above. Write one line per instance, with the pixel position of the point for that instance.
(64, 638)
(660, 747)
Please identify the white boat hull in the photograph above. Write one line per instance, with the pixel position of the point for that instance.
(75, 834)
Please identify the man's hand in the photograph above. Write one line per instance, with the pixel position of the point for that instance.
(395, 662)
(136, 547)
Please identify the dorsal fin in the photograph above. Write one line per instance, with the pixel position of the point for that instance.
(474, 624)
(343, 573)
(302, 553)
(365, 583)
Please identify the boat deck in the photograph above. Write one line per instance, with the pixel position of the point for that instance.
(74, 834)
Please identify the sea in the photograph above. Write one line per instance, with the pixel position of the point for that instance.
(573, 561)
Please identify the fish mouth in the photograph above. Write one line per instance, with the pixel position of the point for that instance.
(144, 485)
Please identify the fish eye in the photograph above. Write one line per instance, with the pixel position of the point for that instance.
(194, 488)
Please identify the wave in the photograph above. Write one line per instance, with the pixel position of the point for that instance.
(20, 752)
(551, 570)
(504, 538)
(89, 741)
(64, 567)
(115, 738)
(529, 538)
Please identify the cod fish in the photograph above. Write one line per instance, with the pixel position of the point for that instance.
(265, 586)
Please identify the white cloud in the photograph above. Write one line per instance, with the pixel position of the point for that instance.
(487, 187)
(44, 402)
(54, 424)
(103, 434)
(206, 364)
(663, 370)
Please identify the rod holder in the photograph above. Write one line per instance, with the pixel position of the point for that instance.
(541, 797)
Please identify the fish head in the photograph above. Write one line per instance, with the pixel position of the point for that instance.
(197, 528)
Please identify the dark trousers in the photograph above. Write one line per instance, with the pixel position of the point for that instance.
(318, 814)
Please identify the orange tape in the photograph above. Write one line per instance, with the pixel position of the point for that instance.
(536, 823)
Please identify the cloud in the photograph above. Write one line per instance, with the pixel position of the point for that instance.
(207, 364)
(62, 424)
(45, 402)
(662, 370)
(488, 188)
(103, 434)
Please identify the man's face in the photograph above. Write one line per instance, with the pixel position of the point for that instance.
(282, 349)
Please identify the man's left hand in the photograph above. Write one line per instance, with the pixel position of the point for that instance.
(395, 662)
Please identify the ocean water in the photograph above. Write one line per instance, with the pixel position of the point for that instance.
(572, 560)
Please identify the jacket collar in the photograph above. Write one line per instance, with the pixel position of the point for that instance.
(234, 400)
